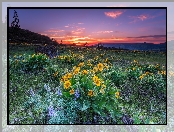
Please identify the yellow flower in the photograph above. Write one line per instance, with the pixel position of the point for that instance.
(100, 66)
(33, 55)
(76, 71)
(147, 73)
(89, 64)
(135, 61)
(134, 68)
(95, 69)
(55, 74)
(97, 82)
(85, 72)
(64, 57)
(92, 71)
(105, 65)
(67, 84)
(117, 94)
(163, 72)
(88, 61)
(71, 91)
(81, 64)
(144, 75)
(141, 77)
(74, 67)
(106, 59)
(103, 86)
(64, 78)
(69, 75)
(94, 78)
(90, 93)
(102, 90)
(61, 57)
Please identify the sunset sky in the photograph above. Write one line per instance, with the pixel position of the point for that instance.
(95, 25)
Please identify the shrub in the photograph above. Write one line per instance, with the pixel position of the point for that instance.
(34, 63)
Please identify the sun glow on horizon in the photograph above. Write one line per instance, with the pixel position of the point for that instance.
(96, 26)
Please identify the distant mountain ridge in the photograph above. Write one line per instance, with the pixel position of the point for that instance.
(136, 46)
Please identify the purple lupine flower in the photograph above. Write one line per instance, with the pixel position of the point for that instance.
(31, 92)
(51, 111)
(59, 92)
(77, 94)
(47, 88)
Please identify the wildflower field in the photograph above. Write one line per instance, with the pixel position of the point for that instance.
(86, 86)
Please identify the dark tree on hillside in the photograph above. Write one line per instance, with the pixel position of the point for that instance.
(85, 44)
(15, 22)
(100, 45)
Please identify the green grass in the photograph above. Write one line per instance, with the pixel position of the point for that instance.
(143, 100)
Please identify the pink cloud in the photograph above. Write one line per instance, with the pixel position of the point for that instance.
(103, 32)
(80, 23)
(54, 31)
(44, 34)
(78, 31)
(114, 14)
(58, 37)
(141, 17)
(66, 26)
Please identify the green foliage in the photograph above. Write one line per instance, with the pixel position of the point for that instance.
(35, 62)
(30, 63)
(86, 86)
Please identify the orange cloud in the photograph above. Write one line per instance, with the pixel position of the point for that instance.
(82, 40)
(112, 40)
(114, 14)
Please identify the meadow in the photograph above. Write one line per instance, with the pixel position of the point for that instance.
(86, 86)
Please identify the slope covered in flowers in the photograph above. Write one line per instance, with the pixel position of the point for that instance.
(87, 86)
